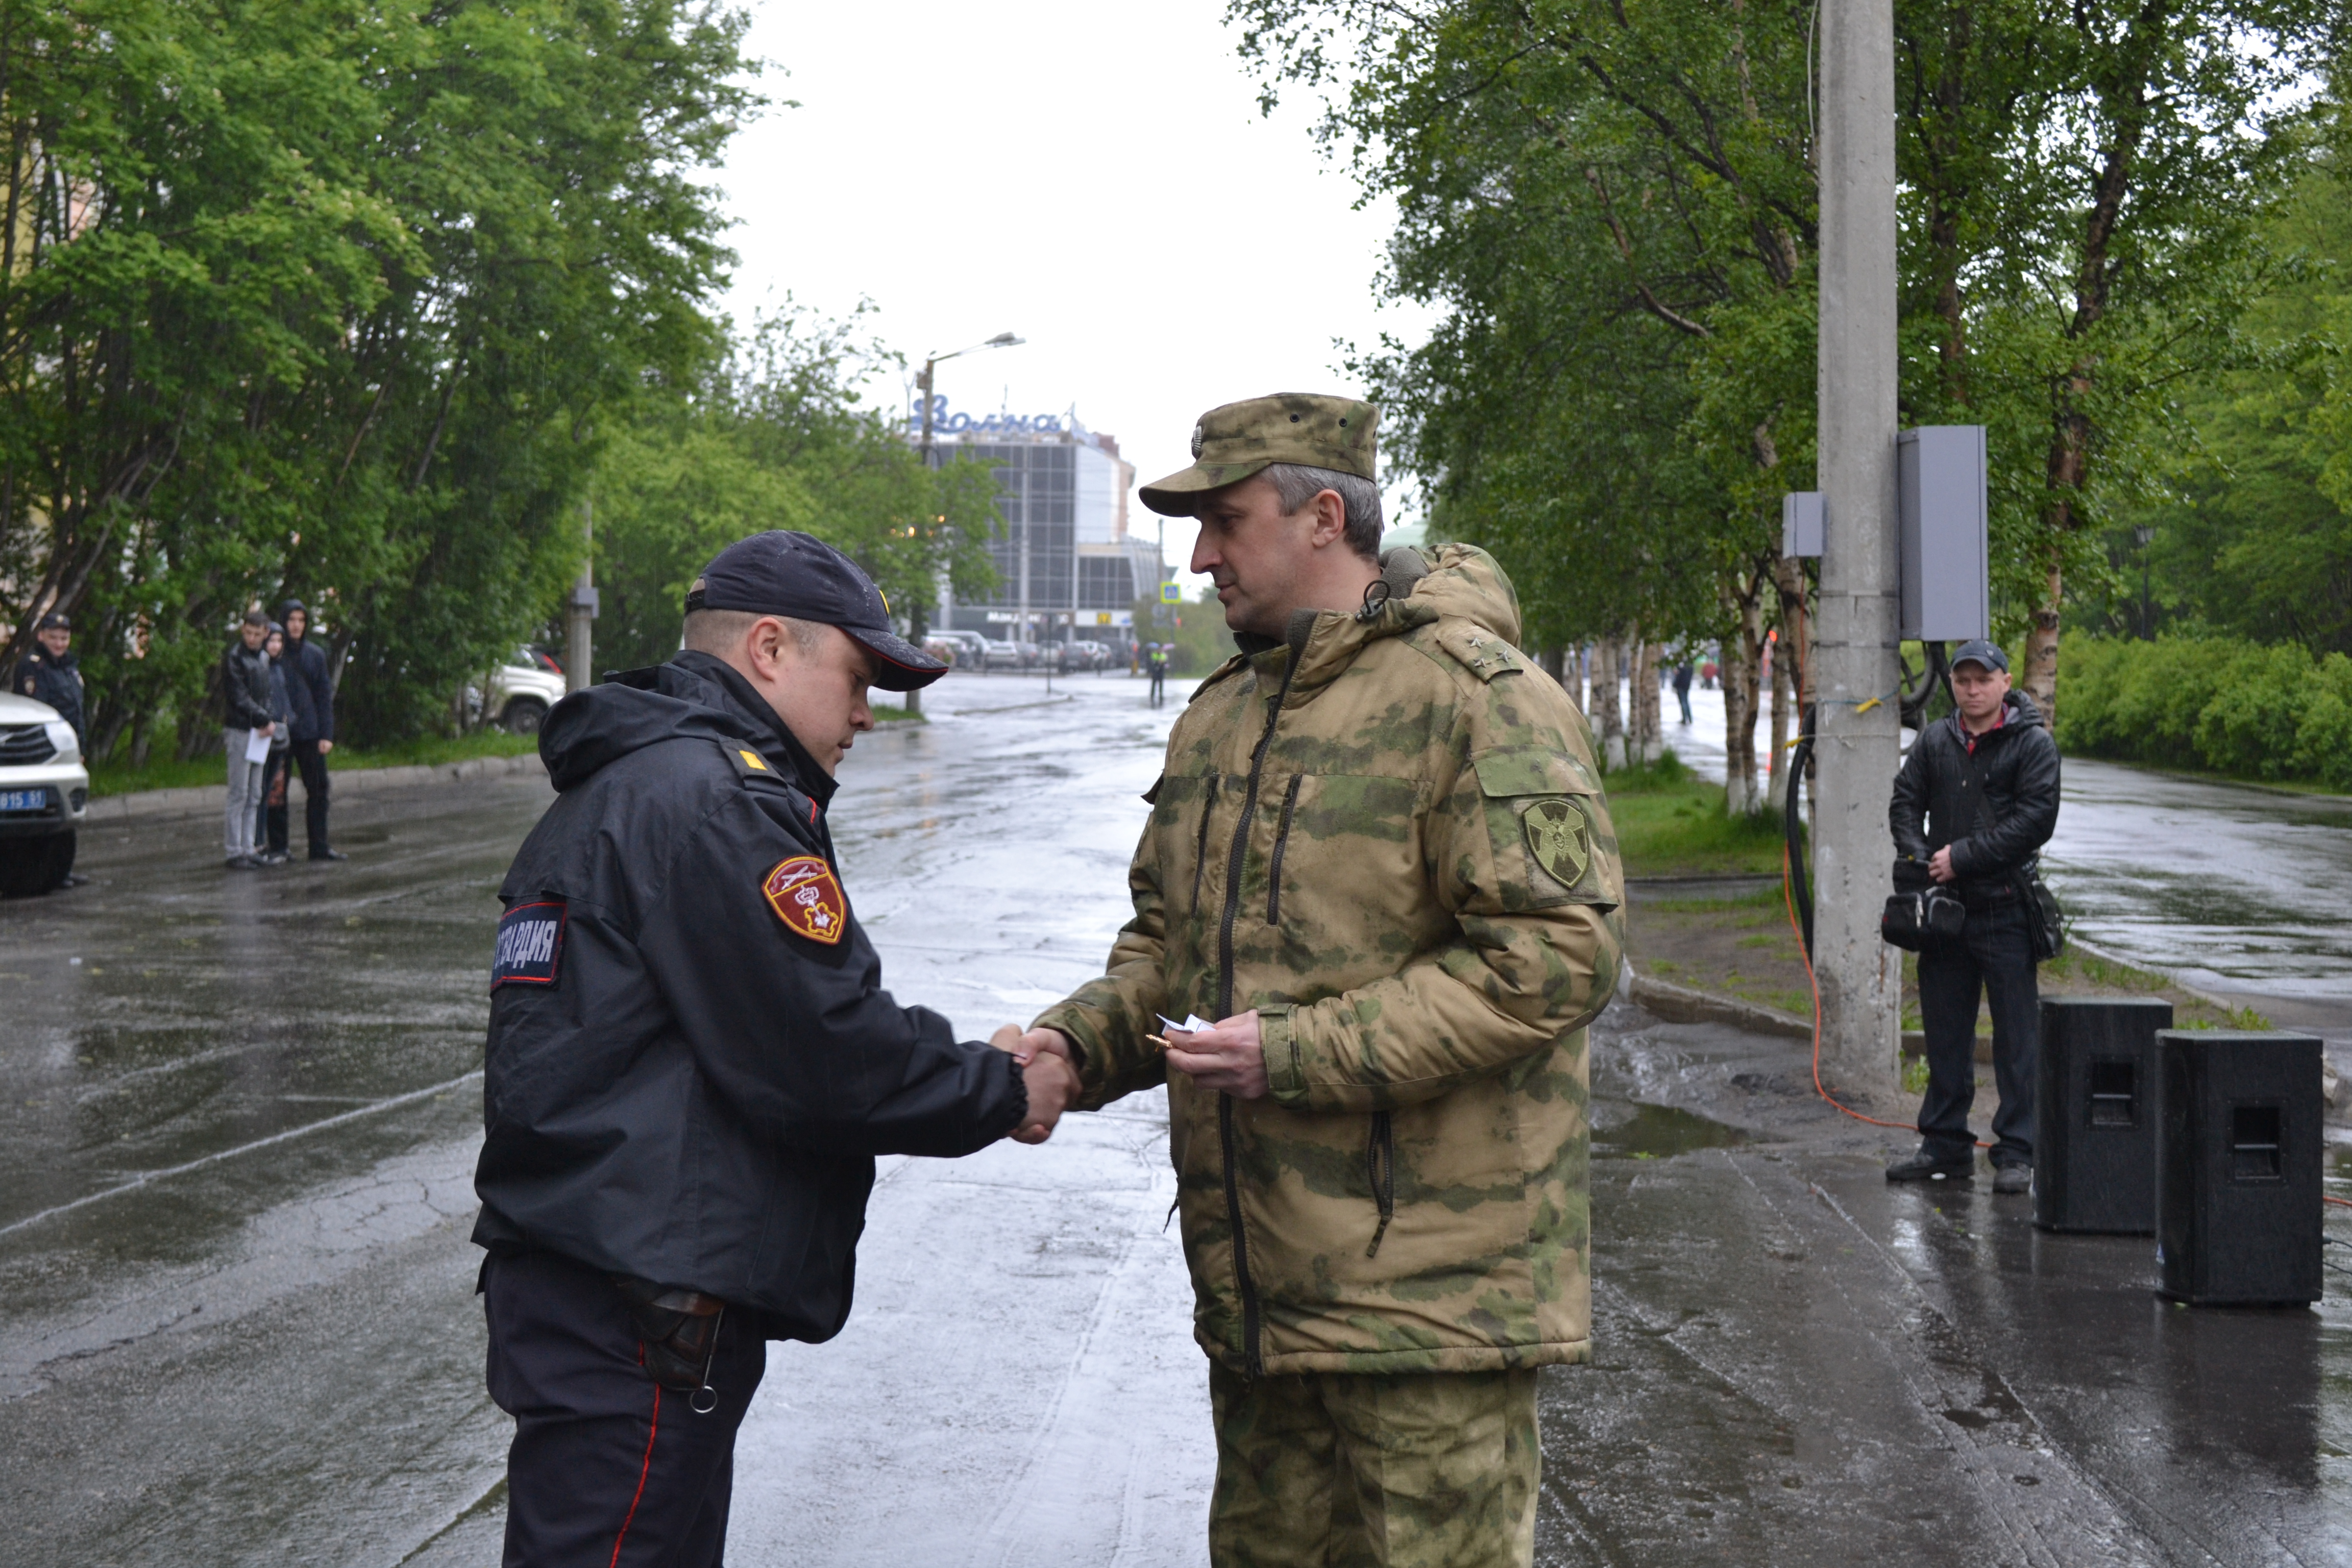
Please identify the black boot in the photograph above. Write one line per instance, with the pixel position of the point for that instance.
(1925, 1167)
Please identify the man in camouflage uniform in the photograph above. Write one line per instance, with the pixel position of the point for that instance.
(1380, 858)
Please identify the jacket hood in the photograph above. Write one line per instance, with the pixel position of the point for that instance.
(688, 698)
(2021, 713)
(1416, 587)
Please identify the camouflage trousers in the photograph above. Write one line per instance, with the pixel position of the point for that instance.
(1370, 1470)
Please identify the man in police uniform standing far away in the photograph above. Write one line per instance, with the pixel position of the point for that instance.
(1380, 860)
(47, 672)
(692, 1063)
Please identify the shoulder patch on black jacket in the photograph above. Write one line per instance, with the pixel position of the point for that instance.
(748, 763)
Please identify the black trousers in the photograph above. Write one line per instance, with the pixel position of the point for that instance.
(270, 816)
(1994, 956)
(314, 797)
(608, 1468)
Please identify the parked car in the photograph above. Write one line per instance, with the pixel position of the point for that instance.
(1006, 655)
(522, 690)
(44, 794)
(1087, 655)
(965, 650)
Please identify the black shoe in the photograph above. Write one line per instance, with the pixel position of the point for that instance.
(1925, 1167)
(242, 863)
(2012, 1177)
(276, 857)
(329, 854)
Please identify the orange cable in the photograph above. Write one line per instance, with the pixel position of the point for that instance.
(2339, 1203)
(1788, 901)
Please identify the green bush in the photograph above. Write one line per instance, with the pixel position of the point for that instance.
(2218, 703)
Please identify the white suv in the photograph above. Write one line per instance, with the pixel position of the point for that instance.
(44, 792)
(521, 692)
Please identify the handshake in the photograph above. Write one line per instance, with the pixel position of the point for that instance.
(1227, 1056)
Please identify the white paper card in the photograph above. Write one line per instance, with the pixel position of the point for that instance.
(1192, 1025)
(257, 746)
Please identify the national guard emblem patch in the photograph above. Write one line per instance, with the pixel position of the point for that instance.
(807, 898)
(1556, 837)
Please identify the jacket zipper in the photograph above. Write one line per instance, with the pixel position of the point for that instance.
(1380, 1169)
(1201, 844)
(1281, 841)
(1253, 1349)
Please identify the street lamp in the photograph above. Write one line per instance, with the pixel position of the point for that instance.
(919, 614)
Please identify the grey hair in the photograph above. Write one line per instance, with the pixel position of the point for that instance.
(722, 631)
(1360, 500)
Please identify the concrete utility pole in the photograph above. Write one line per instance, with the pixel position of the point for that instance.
(580, 609)
(1856, 738)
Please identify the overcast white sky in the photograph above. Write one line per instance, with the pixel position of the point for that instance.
(1094, 177)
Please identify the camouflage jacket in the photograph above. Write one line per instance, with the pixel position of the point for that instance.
(1388, 837)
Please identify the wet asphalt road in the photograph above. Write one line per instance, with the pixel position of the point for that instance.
(238, 1328)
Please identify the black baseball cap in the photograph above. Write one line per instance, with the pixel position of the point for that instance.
(1981, 652)
(786, 573)
(55, 621)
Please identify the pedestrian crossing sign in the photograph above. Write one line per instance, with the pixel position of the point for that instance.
(1170, 594)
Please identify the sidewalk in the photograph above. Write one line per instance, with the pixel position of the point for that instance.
(192, 800)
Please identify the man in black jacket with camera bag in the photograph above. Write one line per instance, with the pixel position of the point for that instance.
(1986, 782)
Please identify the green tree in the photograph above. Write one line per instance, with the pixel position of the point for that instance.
(329, 296)
(1614, 208)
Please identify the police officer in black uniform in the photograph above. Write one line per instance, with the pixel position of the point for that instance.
(692, 1062)
(47, 672)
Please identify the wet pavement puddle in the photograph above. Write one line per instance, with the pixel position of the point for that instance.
(1658, 1132)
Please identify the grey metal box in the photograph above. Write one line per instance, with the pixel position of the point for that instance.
(1941, 478)
(1800, 524)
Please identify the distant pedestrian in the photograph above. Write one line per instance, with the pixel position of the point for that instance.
(245, 713)
(1158, 665)
(48, 673)
(270, 816)
(1682, 688)
(1986, 780)
(310, 690)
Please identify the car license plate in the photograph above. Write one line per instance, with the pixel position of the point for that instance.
(24, 800)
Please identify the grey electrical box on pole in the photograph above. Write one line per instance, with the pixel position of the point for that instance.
(1944, 548)
(1800, 524)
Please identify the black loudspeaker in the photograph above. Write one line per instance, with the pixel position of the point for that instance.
(2094, 1113)
(2239, 1157)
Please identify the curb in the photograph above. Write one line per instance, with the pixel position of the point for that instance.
(357, 781)
(1687, 1004)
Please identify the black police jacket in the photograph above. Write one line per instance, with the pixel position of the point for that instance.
(692, 1062)
(1996, 829)
(52, 678)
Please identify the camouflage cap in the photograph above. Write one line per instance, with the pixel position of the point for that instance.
(1234, 442)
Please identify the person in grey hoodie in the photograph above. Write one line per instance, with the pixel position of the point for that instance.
(245, 709)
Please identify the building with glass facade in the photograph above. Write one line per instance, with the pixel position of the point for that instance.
(1066, 565)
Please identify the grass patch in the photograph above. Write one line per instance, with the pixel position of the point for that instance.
(1670, 824)
(113, 777)
(885, 713)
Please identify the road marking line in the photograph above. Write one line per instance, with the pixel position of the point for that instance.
(216, 1156)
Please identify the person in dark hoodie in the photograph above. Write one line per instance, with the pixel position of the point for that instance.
(692, 1062)
(1986, 782)
(310, 694)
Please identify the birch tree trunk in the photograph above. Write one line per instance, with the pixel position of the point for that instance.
(1783, 666)
(1742, 653)
(1608, 715)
